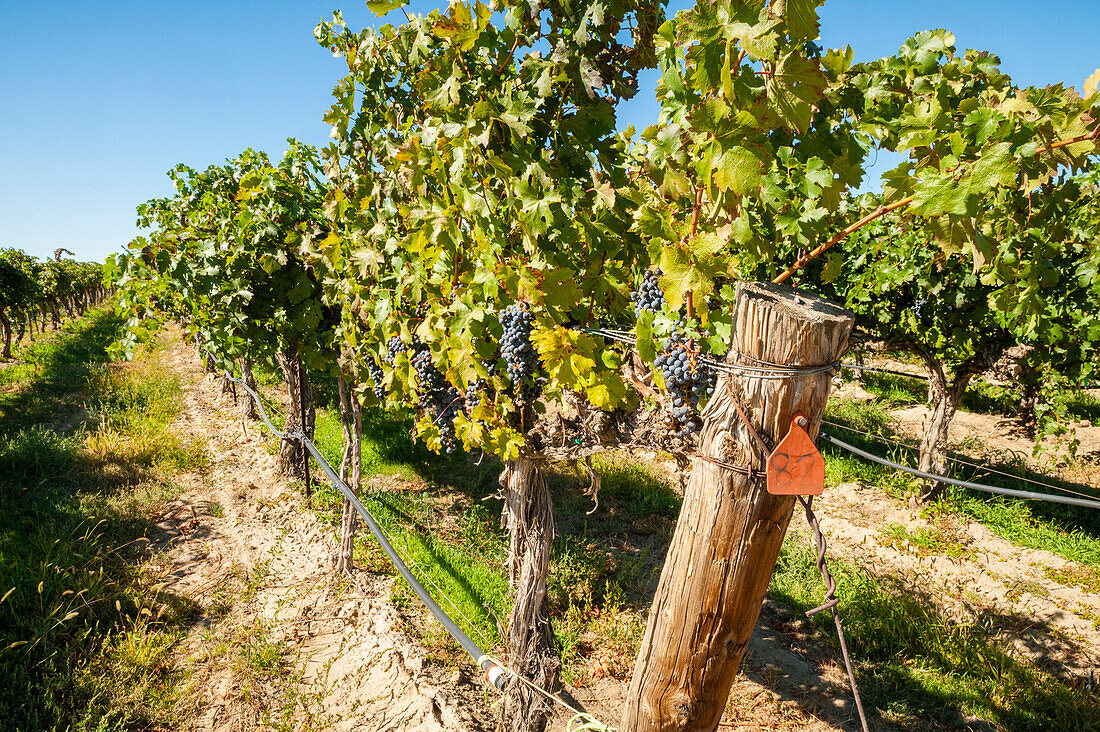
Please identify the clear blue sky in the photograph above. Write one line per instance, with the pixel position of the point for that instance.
(100, 99)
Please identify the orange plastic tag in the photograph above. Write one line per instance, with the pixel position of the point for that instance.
(795, 467)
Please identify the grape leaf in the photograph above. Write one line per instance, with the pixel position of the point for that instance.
(795, 86)
(738, 170)
(1091, 84)
(801, 17)
(381, 7)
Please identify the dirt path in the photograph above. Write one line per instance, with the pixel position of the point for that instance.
(282, 641)
(789, 680)
(1030, 594)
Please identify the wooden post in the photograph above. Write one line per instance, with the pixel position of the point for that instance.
(248, 404)
(293, 457)
(727, 539)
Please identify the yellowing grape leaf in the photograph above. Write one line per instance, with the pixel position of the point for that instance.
(1092, 83)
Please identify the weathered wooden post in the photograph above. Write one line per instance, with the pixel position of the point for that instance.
(730, 530)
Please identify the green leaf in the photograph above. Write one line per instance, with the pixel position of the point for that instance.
(568, 355)
(705, 244)
(738, 170)
(683, 273)
(561, 289)
(834, 264)
(760, 41)
(381, 7)
(801, 17)
(940, 193)
(607, 390)
(795, 86)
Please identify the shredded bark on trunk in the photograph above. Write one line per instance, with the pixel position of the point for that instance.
(529, 517)
(291, 451)
(248, 406)
(5, 324)
(945, 399)
(351, 471)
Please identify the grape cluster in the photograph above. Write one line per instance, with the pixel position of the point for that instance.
(474, 392)
(437, 397)
(687, 379)
(394, 347)
(918, 305)
(648, 296)
(376, 375)
(515, 346)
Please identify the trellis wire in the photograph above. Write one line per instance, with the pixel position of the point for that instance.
(756, 372)
(831, 601)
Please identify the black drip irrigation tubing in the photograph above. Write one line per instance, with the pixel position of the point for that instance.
(494, 674)
(1029, 495)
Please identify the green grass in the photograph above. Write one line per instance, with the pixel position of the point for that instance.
(454, 547)
(984, 398)
(1087, 578)
(925, 541)
(900, 390)
(1082, 405)
(85, 635)
(922, 669)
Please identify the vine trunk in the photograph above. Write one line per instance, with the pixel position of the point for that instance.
(529, 517)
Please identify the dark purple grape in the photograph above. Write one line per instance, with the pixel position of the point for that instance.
(520, 360)
(394, 347)
(648, 296)
(687, 379)
(376, 375)
(437, 398)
